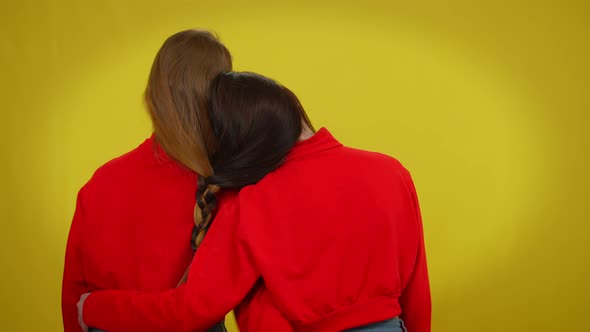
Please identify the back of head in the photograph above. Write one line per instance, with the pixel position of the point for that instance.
(177, 94)
(256, 122)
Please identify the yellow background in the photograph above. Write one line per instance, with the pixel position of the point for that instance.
(487, 104)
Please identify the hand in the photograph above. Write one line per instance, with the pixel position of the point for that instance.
(80, 306)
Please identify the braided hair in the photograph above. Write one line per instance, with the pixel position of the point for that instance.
(256, 122)
(206, 203)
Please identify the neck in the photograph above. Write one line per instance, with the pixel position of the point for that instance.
(306, 133)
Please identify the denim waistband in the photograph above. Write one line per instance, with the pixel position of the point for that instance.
(390, 325)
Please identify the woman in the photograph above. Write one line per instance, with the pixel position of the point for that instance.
(133, 219)
(332, 238)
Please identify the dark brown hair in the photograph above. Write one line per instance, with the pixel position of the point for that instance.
(256, 122)
(177, 93)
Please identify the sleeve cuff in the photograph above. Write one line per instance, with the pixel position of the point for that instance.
(94, 310)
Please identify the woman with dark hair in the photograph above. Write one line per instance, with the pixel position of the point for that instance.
(329, 236)
(133, 214)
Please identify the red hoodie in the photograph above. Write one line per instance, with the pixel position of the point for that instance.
(335, 235)
(131, 228)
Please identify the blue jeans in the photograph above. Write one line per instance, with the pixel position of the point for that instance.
(390, 325)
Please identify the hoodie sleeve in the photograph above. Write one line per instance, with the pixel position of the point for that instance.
(221, 275)
(415, 299)
(73, 283)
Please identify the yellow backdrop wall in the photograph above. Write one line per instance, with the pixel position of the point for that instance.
(487, 104)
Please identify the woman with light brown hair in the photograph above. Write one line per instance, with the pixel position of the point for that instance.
(133, 220)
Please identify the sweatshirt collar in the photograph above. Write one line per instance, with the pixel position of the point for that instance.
(320, 141)
(154, 152)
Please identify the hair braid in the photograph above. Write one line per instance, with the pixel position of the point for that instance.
(204, 206)
(206, 203)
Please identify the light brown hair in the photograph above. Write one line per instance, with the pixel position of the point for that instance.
(177, 96)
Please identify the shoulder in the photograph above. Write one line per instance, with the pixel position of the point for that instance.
(120, 168)
(386, 168)
(376, 161)
(372, 157)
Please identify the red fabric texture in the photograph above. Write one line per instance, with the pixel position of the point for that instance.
(331, 240)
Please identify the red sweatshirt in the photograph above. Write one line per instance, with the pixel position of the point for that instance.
(131, 228)
(335, 235)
